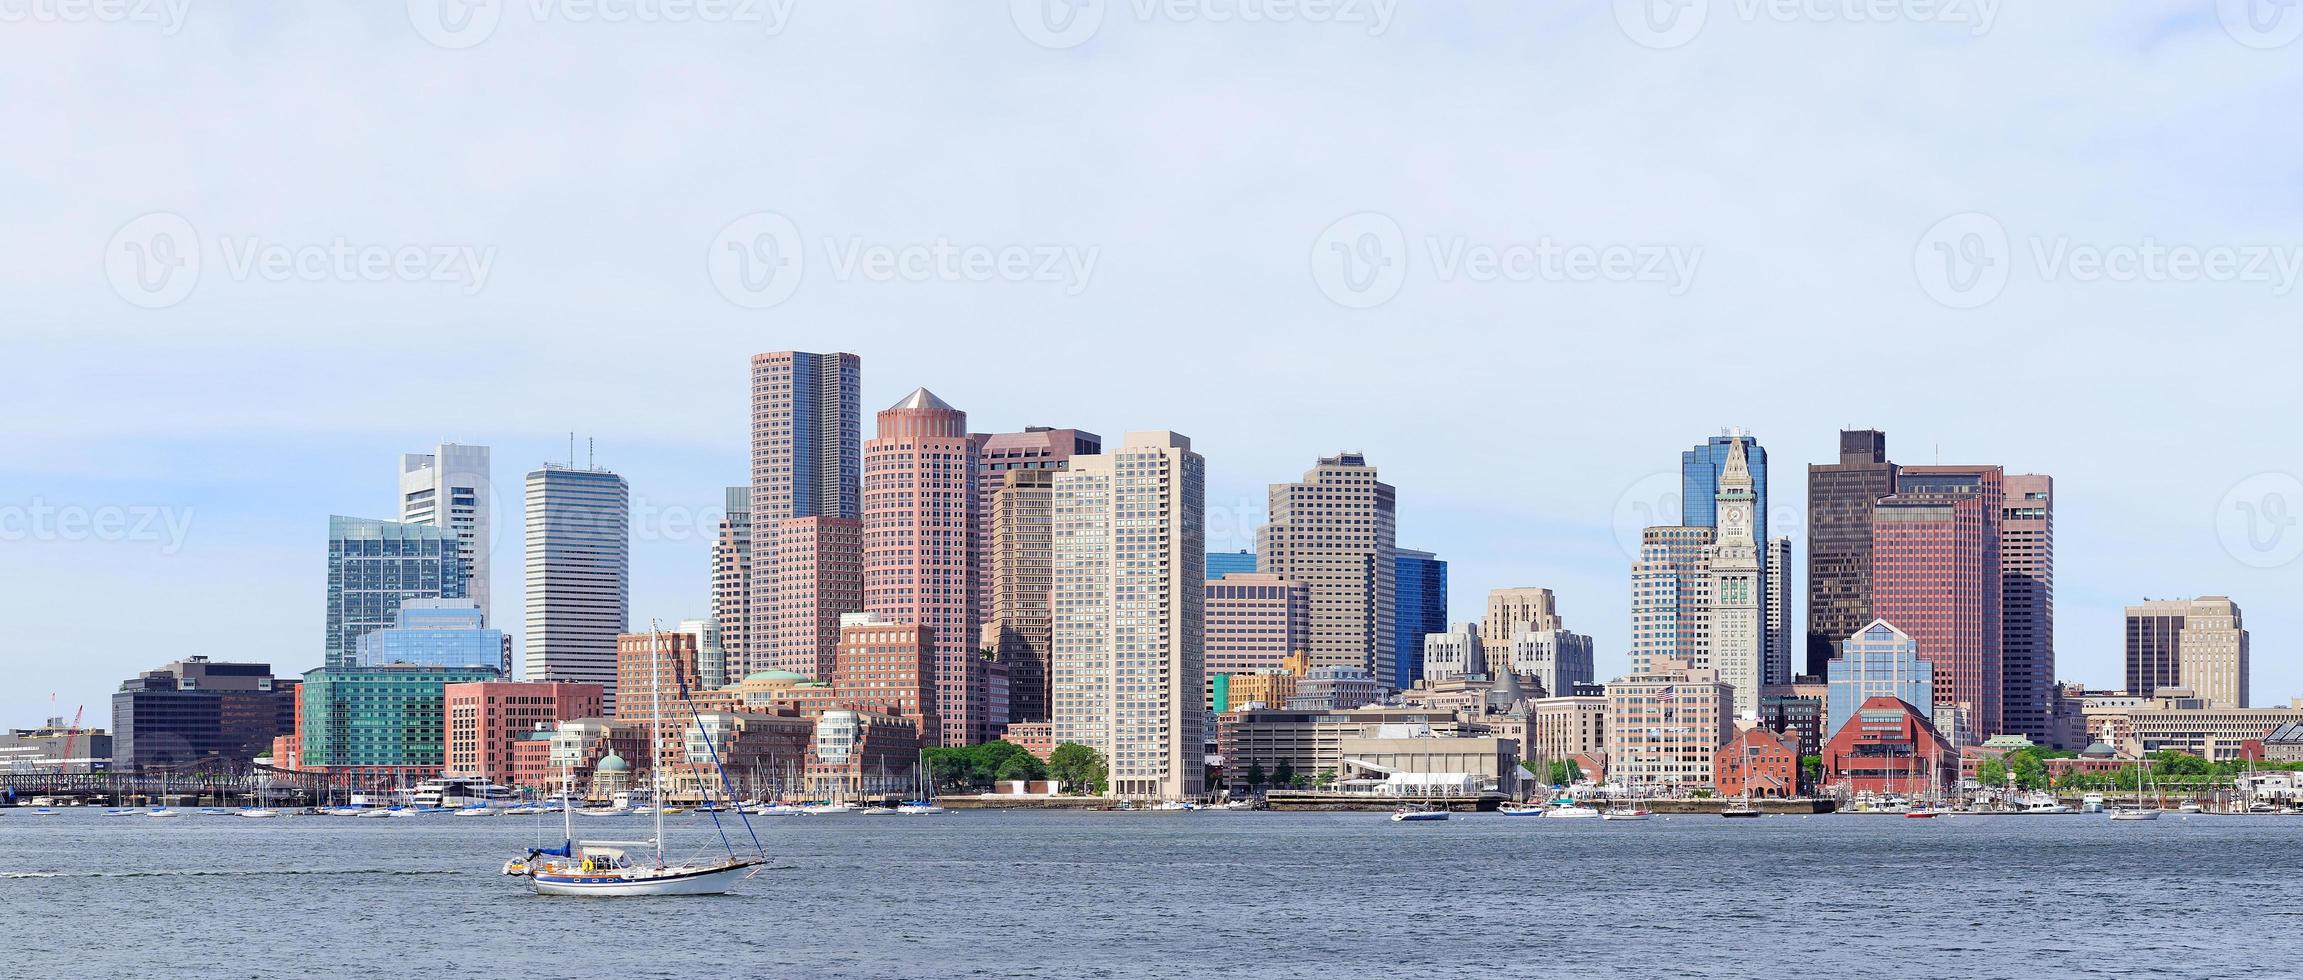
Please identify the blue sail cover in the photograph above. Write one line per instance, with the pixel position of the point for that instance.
(566, 849)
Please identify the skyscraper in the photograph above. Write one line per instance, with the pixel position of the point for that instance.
(1779, 648)
(1335, 531)
(1840, 498)
(732, 583)
(1421, 587)
(375, 565)
(1254, 623)
(1510, 611)
(449, 488)
(1738, 621)
(1671, 597)
(919, 512)
(578, 574)
(1700, 470)
(2027, 614)
(1222, 563)
(1557, 658)
(438, 633)
(1130, 545)
(1013, 550)
(807, 466)
(2200, 644)
(1454, 653)
(1936, 576)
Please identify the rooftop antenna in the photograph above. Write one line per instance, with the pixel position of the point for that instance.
(588, 462)
(571, 450)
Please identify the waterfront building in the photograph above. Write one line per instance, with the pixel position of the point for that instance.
(1222, 563)
(1738, 623)
(438, 632)
(578, 574)
(386, 722)
(1270, 688)
(858, 754)
(1335, 689)
(488, 721)
(1797, 710)
(449, 488)
(1936, 576)
(1671, 597)
(1254, 622)
(1840, 499)
(1420, 585)
(375, 565)
(2027, 693)
(1455, 653)
(732, 583)
(711, 654)
(1413, 760)
(1758, 762)
(1665, 724)
(1780, 650)
(1035, 737)
(1310, 742)
(660, 666)
(807, 488)
(1129, 616)
(1559, 660)
(919, 513)
(55, 747)
(2281, 744)
(2200, 644)
(1019, 557)
(889, 667)
(1878, 661)
(1889, 747)
(1510, 611)
(1568, 725)
(197, 708)
(2178, 720)
(1335, 531)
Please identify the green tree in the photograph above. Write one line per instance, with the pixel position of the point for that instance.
(1285, 774)
(2030, 772)
(1564, 773)
(1991, 774)
(949, 768)
(1325, 779)
(1811, 770)
(1080, 768)
(1255, 774)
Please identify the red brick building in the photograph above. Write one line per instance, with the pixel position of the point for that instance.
(487, 718)
(1762, 761)
(889, 667)
(1889, 747)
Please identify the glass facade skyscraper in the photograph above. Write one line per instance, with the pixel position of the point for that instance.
(1878, 661)
(437, 633)
(1222, 563)
(373, 566)
(1422, 610)
(388, 717)
(1699, 470)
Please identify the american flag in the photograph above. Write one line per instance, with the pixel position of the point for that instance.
(1667, 695)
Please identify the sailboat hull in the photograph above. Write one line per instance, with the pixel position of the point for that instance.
(634, 882)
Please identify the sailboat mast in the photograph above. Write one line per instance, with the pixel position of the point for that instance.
(656, 733)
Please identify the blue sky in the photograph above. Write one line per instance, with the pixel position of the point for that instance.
(1518, 257)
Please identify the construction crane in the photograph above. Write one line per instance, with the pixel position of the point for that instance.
(71, 735)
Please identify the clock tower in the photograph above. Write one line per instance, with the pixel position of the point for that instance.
(1738, 621)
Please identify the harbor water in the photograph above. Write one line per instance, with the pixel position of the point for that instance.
(1091, 894)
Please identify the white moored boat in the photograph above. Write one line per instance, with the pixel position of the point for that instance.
(259, 813)
(1411, 814)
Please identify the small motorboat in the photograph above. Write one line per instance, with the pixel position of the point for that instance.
(1571, 811)
(918, 808)
(1626, 813)
(216, 811)
(1407, 814)
(161, 811)
(1519, 810)
(258, 813)
(477, 810)
(2134, 813)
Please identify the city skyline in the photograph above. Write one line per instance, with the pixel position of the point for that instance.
(227, 409)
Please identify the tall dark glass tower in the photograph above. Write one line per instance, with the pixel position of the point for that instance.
(1840, 499)
(1422, 610)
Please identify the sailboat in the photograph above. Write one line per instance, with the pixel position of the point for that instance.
(1744, 807)
(2138, 811)
(926, 804)
(611, 868)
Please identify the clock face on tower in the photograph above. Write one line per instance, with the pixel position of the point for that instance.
(1733, 518)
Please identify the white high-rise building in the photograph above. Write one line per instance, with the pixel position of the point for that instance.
(1671, 597)
(1557, 658)
(1777, 652)
(1738, 619)
(1457, 653)
(448, 488)
(578, 574)
(1126, 660)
